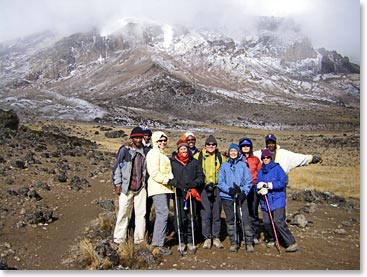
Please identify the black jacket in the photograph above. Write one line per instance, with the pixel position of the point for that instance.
(187, 176)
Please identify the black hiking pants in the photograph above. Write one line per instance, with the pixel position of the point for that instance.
(284, 234)
(253, 206)
(228, 207)
(210, 214)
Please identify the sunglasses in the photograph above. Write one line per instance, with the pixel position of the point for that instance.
(162, 140)
(191, 140)
(266, 157)
(211, 144)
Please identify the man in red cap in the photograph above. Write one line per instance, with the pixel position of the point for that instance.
(129, 179)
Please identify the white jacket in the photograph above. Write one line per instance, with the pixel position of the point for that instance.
(287, 159)
(159, 168)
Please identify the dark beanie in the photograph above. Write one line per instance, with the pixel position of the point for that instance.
(147, 131)
(136, 132)
(266, 153)
(210, 139)
(270, 137)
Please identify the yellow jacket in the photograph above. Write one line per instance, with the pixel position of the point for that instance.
(211, 165)
(159, 168)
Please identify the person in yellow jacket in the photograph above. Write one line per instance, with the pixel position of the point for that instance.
(160, 174)
(210, 159)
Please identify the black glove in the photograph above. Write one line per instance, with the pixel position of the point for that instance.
(316, 159)
(209, 188)
(241, 196)
(232, 192)
(172, 182)
(237, 188)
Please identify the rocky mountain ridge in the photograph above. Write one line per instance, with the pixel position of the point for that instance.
(168, 76)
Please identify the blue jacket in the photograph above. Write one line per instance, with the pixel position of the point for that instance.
(234, 171)
(274, 173)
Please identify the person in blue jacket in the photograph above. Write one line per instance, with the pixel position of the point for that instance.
(234, 183)
(272, 181)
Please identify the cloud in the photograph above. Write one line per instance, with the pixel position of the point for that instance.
(332, 24)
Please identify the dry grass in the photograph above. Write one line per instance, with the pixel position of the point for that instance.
(88, 255)
(338, 180)
(106, 223)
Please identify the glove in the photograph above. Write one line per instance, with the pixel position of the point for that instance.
(190, 185)
(316, 159)
(241, 196)
(237, 188)
(263, 191)
(261, 185)
(232, 192)
(209, 187)
(172, 182)
(269, 185)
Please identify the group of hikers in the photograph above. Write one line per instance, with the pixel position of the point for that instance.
(201, 183)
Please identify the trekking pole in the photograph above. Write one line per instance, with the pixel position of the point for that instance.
(192, 222)
(235, 219)
(178, 225)
(243, 228)
(272, 223)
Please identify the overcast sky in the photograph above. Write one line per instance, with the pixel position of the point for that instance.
(332, 24)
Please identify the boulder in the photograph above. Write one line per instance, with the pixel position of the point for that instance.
(9, 119)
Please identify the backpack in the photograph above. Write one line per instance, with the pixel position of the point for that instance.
(217, 154)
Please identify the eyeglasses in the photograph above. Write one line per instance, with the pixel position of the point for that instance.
(266, 157)
(191, 140)
(162, 140)
(211, 144)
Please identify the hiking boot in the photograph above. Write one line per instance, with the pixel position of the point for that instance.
(217, 243)
(249, 248)
(181, 248)
(192, 248)
(161, 250)
(270, 244)
(256, 241)
(292, 248)
(207, 244)
(233, 248)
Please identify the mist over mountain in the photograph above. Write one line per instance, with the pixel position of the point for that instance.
(142, 72)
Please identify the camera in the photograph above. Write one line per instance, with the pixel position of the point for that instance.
(209, 187)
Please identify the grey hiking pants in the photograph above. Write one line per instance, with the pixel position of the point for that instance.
(161, 205)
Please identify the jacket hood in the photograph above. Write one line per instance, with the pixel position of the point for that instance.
(234, 146)
(156, 136)
(239, 156)
(246, 141)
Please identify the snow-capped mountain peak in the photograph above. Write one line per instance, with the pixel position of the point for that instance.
(135, 70)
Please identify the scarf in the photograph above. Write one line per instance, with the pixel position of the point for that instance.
(182, 159)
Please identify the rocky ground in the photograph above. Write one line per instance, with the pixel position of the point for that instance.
(57, 210)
